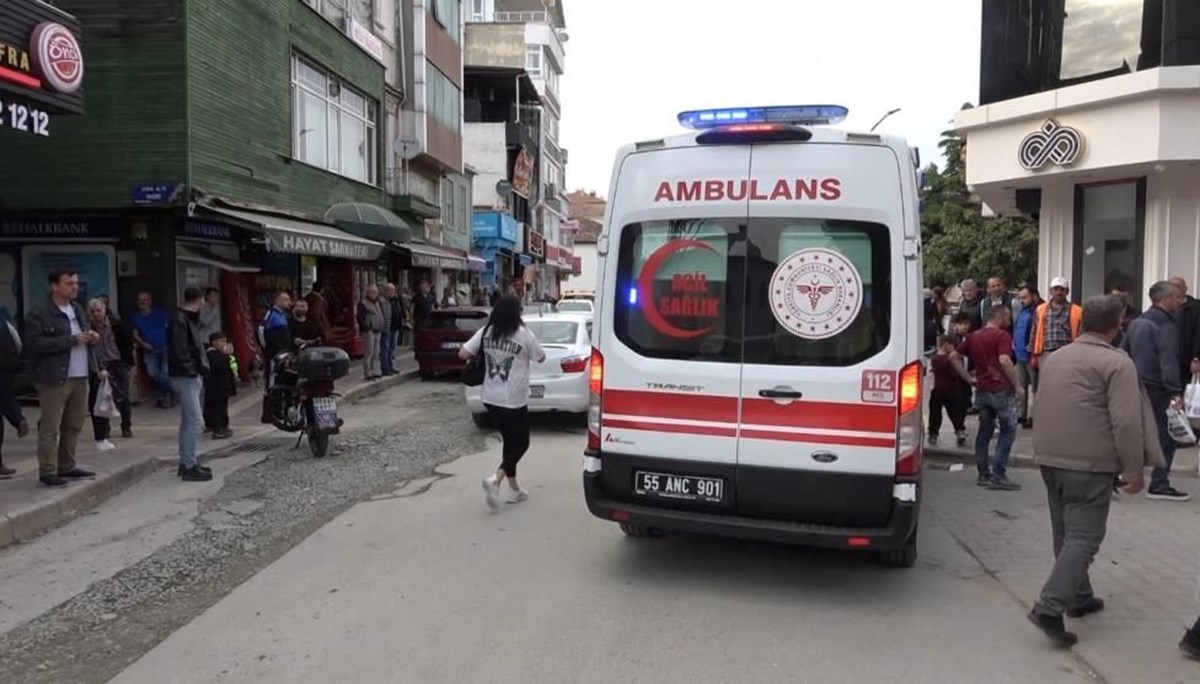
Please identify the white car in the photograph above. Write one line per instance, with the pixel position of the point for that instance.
(575, 306)
(560, 383)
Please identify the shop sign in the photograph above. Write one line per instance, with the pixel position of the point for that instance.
(57, 57)
(362, 36)
(1052, 144)
(522, 176)
(537, 244)
(208, 230)
(686, 306)
(41, 66)
(448, 263)
(59, 228)
(294, 243)
(494, 225)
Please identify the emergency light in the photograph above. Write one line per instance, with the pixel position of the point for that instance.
(795, 115)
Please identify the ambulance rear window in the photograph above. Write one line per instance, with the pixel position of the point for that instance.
(679, 289)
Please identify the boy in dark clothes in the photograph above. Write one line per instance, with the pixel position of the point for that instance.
(219, 385)
(962, 326)
(947, 394)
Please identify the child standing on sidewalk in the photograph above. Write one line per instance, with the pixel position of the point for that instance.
(219, 385)
(949, 393)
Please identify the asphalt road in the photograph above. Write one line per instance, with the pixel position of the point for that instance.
(424, 584)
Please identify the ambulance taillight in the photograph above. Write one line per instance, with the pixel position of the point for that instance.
(595, 393)
(909, 423)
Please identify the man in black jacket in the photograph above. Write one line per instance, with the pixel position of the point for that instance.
(1188, 319)
(187, 364)
(120, 372)
(10, 365)
(59, 343)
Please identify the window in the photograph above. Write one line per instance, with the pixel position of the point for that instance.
(555, 333)
(445, 100)
(460, 205)
(333, 10)
(533, 60)
(448, 13)
(447, 194)
(700, 289)
(552, 79)
(1100, 37)
(334, 126)
(865, 245)
(679, 289)
(478, 10)
(1109, 228)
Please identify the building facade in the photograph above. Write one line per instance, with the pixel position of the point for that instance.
(586, 209)
(1087, 123)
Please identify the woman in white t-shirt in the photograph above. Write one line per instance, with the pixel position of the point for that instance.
(508, 349)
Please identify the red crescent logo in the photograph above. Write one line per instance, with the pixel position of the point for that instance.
(646, 286)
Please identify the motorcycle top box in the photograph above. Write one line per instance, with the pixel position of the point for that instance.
(322, 363)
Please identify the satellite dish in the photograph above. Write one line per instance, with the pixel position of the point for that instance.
(504, 188)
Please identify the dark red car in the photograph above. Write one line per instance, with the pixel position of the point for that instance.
(440, 339)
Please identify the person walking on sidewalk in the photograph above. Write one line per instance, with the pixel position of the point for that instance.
(61, 348)
(188, 364)
(1030, 300)
(997, 389)
(1188, 321)
(150, 325)
(947, 394)
(387, 341)
(1153, 342)
(391, 336)
(370, 324)
(508, 348)
(108, 359)
(1091, 424)
(11, 349)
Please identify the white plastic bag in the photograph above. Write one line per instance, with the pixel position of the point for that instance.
(1191, 400)
(1177, 425)
(105, 406)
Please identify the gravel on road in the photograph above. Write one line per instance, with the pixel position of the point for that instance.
(260, 513)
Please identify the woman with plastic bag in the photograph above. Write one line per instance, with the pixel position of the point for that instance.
(103, 395)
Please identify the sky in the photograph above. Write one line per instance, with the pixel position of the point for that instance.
(633, 65)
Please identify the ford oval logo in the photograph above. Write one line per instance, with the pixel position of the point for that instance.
(824, 457)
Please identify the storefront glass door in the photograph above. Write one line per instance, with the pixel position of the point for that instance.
(1109, 230)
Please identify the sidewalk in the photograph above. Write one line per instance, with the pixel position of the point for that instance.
(1022, 453)
(27, 509)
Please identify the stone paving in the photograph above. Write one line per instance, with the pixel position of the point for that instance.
(1148, 570)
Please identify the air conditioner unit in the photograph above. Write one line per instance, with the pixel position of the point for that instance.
(126, 264)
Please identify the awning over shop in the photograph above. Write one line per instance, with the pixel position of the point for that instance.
(370, 222)
(429, 256)
(475, 263)
(295, 236)
(199, 255)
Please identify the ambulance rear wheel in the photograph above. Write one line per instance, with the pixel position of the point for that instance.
(638, 531)
(903, 557)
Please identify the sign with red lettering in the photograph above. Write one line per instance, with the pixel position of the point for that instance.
(816, 293)
(782, 190)
(685, 308)
(879, 387)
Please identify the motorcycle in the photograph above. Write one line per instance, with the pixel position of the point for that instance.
(301, 398)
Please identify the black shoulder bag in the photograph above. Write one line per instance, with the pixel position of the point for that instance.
(476, 368)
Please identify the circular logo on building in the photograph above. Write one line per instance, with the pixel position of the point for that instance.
(57, 57)
(816, 293)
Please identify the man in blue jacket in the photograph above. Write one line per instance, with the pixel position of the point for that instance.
(1153, 342)
(1023, 347)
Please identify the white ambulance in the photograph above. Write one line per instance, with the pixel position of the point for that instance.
(757, 364)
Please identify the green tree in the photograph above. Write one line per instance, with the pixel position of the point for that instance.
(959, 242)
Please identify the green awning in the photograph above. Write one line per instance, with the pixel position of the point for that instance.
(370, 222)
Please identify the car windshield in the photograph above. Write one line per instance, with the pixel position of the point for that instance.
(574, 305)
(554, 332)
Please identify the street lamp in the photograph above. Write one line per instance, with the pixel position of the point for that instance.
(883, 118)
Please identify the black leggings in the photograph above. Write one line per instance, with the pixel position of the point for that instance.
(513, 425)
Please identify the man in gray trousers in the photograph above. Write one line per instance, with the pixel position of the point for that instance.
(1091, 424)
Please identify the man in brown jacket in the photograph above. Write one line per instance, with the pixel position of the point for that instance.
(1090, 425)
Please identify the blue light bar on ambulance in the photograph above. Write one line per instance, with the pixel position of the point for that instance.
(797, 115)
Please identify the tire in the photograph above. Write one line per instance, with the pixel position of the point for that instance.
(482, 420)
(638, 531)
(318, 443)
(902, 557)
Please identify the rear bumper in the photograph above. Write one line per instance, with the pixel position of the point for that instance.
(440, 362)
(567, 394)
(892, 535)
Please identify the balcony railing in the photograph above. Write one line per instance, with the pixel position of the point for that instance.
(523, 17)
(402, 183)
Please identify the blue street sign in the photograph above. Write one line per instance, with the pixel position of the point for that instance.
(156, 193)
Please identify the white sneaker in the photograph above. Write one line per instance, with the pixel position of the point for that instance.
(491, 489)
(105, 445)
(518, 496)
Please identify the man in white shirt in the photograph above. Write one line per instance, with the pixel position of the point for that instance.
(60, 346)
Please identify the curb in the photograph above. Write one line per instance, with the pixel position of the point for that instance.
(52, 509)
(968, 458)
